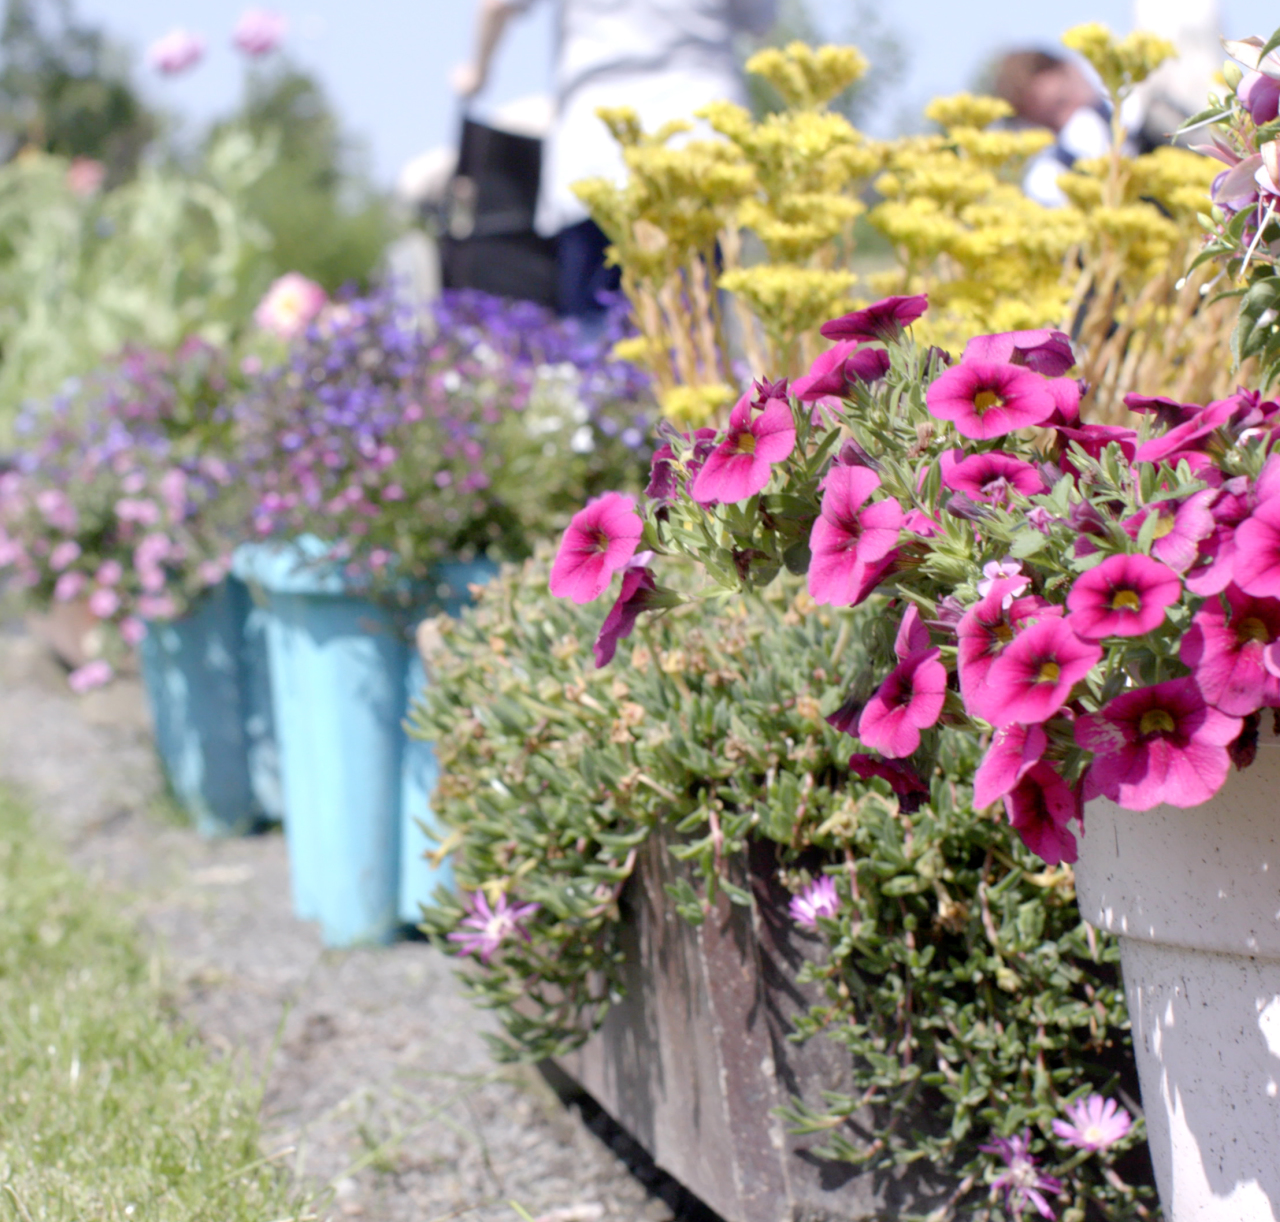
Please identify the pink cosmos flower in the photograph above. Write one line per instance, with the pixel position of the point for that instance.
(1125, 595)
(1093, 1124)
(599, 541)
(104, 603)
(984, 632)
(176, 51)
(1021, 1180)
(1182, 525)
(817, 899)
(1256, 561)
(905, 781)
(1033, 676)
(991, 476)
(740, 466)
(851, 542)
(1227, 653)
(986, 400)
(884, 320)
(908, 701)
(1044, 350)
(289, 305)
(664, 481)
(1014, 751)
(833, 370)
(1039, 807)
(636, 595)
(65, 553)
(92, 674)
(1160, 744)
(487, 928)
(259, 31)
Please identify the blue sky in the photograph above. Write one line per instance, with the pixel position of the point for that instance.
(385, 62)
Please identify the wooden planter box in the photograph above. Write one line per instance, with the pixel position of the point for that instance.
(696, 1058)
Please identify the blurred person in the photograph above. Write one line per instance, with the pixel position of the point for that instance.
(1047, 90)
(663, 58)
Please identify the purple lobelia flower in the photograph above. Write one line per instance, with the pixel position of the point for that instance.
(1093, 1124)
(817, 899)
(1022, 1181)
(486, 928)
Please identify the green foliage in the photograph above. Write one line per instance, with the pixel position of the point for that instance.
(323, 218)
(959, 977)
(108, 1107)
(66, 90)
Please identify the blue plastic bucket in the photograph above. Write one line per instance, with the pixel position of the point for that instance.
(193, 671)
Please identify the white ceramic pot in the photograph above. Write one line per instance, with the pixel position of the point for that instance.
(1194, 896)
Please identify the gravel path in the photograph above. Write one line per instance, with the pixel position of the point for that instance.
(380, 1094)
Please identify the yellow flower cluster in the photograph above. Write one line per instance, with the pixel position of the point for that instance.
(760, 219)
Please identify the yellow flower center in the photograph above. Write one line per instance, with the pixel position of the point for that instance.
(1164, 525)
(984, 400)
(1252, 629)
(1157, 721)
(1002, 632)
(1125, 600)
(1050, 672)
(746, 443)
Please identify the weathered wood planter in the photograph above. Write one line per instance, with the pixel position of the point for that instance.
(696, 1058)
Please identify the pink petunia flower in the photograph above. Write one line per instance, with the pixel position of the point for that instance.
(1256, 560)
(1044, 350)
(1168, 413)
(832, 371)
(908, 701)
(1066, 399)
(176, 52)
(991, 476)
(740, 466)
(1039, 807)
(1093, 1124)
(1013, 752)
(92, 674)
(1021, 1180)
(289, 305)
(1227, 652)
(636, 595)
(913, 634)
(1159, 744)
(664, 471)
(986, 629)
(599, 541)
(1125, 595)
(1194, 434)
(1033, 677)
(851, 542)
(1182, 525)
(906, 783)
(884, 320)
(985, 400)
(486, 928)
(259, 31)
(818, 899)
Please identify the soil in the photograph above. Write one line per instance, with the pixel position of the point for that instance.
(379, 1093)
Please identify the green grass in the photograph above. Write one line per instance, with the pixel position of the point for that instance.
(110, 1108)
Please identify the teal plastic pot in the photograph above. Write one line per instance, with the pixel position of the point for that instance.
(193, 671)
(418, 877)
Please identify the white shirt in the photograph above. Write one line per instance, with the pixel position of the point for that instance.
(1085, 136)
(663, 58)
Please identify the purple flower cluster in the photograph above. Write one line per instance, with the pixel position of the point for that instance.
(401, 440)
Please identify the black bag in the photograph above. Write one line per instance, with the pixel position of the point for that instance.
(489, 241)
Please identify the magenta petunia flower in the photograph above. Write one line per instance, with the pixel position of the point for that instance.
(1159, 744)
(1021, 1180)
(884, 320)
(485, 928)
(1013, 752)
(1125, 595)
(1066, 398)
(1256, 560)
(1227, 652)
(599, 541)
(1039, 807)
(740, 466)
(1259, 94)
(851, 542)
(817, 899)
(991, 476)
(1169, 413)
(1182, 525)
(664, 472)
(1093, 1124)
(906, 783)
(833, 370)
(908, 701)
(636, 595)
(1044, 350)
(986, 400)
(1192, 435)
(986, 629)
(1093, 439)
(1033, 676)
(913, 634)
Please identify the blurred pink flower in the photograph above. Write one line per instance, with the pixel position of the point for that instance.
(486, 928)
(1039, 807)
(104, 602)
(289, 305)
(176, 51)
(65, 553)
(1094, 1123)
(132, 630)
(69, 586)
(883, 320)
(85, 176)
(92, 674)
(157, 606)
(259, 31)
(109, 573)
